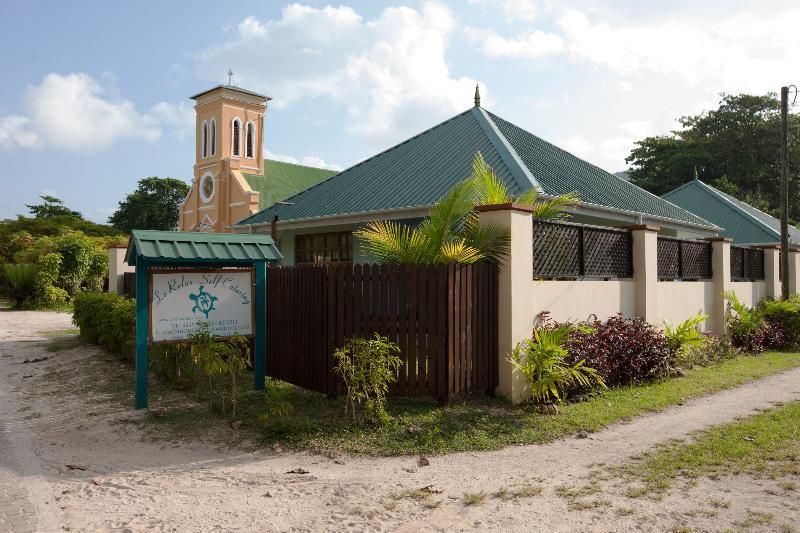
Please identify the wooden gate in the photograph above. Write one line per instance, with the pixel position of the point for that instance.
(444, 319)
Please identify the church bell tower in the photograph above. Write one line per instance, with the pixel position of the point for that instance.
(229, 143)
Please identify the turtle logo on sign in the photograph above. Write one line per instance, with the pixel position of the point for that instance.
(203, 302)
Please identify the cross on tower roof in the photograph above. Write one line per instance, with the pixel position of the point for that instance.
(230, 76)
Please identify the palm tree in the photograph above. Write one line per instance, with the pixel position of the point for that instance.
(452, 233)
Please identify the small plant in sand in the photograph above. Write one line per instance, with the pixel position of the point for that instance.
(541, 360)
(367, 367)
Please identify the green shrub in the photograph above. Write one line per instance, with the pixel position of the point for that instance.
(213, 370)
(787, 314)
(685, 339)
(108, 320)
(75, 250)
(47, 294)
(21, 279)
(220, 361)
(542, 360)
(97, 270)
(716, 348)
(50, 297)
(745, 325)
(367, 366)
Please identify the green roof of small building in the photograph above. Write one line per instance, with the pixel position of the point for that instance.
(740, 221)
(420, 170)
(194, 247)
(281, 180)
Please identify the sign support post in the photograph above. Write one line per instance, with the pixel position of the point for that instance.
(259, 357)
(142, 334)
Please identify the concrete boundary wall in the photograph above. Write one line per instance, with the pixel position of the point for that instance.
(521, 297)
(117, 267)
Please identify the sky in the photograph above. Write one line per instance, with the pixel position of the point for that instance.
(95, 93)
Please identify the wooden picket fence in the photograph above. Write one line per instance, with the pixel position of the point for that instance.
(443, 318)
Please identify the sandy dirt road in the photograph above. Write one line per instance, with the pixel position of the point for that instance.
(72, 460)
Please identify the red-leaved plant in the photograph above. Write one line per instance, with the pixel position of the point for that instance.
(622, 350)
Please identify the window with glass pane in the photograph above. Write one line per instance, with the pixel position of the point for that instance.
(322, 248)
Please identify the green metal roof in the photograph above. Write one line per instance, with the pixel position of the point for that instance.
(195, 247)
(281, 180)
(741, 222)
(419, 171)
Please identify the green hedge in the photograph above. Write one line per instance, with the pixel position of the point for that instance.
(108, 320)
(787, 314)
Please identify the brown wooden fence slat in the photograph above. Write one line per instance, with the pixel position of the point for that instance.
(423, 357)
(402, 328)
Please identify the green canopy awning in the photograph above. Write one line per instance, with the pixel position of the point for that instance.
(199, 247)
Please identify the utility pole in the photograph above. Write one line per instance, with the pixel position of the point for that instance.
(784, 192)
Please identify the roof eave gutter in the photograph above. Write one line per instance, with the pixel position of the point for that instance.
(670, 222)
(345, 218)
(421, 211)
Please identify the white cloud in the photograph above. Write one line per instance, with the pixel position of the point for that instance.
(308, 160)
(524, 10)
(739, 53)
(748, 51)
(15, 132)
(610, 152)
(76, 112)
(72, 112)
(178, 119)
(389, 74)
(530, 45)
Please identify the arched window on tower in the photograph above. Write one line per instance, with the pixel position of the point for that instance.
(249, 140)
(235, 136)
(213, 136)
(204, 139)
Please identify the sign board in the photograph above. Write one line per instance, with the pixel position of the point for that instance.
(181, 299)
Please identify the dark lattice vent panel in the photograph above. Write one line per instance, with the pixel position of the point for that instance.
(683, 259)
(695, 260)
(737, 262)
(668, 260)
(563, 250)
(607, 253)
(556, 250)
(747, 263)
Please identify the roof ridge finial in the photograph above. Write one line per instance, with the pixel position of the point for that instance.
(477, 96)
(696, 177)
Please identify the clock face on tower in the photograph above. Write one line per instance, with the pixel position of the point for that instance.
(207, 188)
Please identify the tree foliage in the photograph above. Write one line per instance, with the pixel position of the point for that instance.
(21, 233)
(735, 148)
(153, 205)
(52, 207)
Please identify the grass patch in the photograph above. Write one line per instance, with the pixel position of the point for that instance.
(524, 491)
(63, 343)
(60, 332)
(717, 503)
(474, 498)
(755, 519)
(762, 445)
(291, 417)
(61, 339)
(302, 419)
